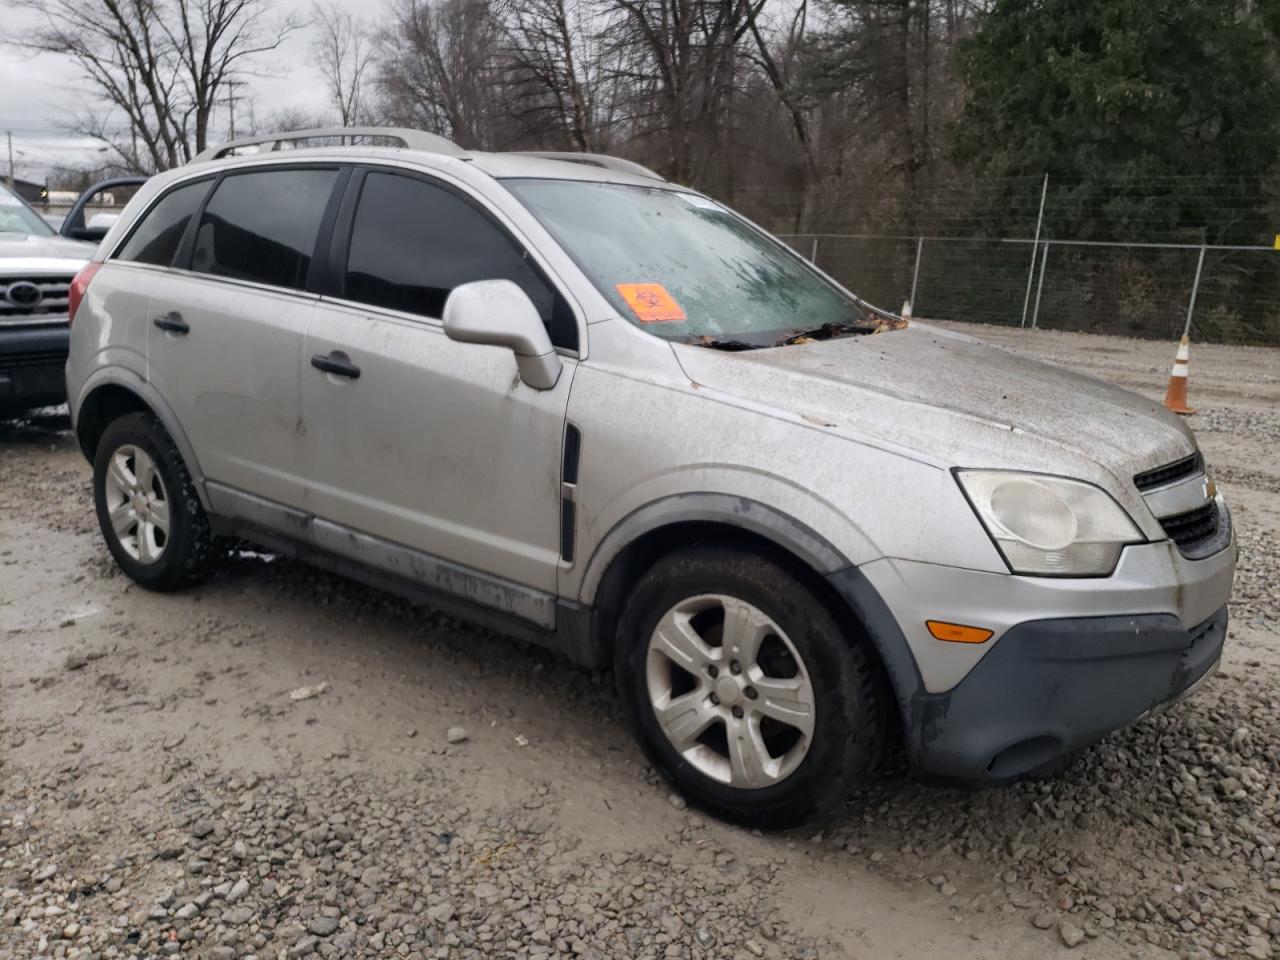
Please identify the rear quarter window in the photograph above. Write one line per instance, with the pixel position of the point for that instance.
(156, 237)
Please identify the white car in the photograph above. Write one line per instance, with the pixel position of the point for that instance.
(36, 269)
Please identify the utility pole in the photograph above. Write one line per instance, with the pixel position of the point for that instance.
(230, 101)
(13, 180)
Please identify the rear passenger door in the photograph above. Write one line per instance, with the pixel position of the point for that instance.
(228, 323)
(435, 445)
(125, 282)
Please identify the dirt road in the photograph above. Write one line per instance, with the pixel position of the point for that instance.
(161, 792)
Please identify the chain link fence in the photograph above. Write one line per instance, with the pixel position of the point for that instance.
(1217, 294)
(1142, 257)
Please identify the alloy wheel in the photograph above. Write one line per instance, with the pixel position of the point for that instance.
(137, 503)
(730, 691)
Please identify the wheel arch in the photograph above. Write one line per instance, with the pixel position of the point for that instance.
(114, 392)
(643, 537)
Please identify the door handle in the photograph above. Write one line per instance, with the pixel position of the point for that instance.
(336, 363)
(172, 322)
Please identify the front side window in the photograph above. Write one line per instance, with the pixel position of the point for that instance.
(412, 242)
(155, 239)
(684, 268)
(17, 217)
(262, 226)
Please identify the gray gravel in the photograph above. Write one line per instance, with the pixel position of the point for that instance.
(356, 867)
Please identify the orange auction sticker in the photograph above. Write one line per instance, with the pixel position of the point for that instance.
(651, 302)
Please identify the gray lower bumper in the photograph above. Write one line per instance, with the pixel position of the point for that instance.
(1053, 686)
(33, 364)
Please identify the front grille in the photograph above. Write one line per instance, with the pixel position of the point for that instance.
(1170, 472)
(23, 298)
(1189, 530)
(39, 358)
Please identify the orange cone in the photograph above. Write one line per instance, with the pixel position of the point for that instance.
(1175, 397)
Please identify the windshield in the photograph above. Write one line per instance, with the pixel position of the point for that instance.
(17, 217)
(682, 267)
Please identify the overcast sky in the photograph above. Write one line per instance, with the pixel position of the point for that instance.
(40, 96)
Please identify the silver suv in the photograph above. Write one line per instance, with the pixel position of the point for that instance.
(601, 412)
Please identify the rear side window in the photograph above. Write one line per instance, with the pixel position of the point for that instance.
(156, 238)
(262, 226)
(412, 242)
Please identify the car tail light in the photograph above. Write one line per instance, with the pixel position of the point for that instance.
(79, 287)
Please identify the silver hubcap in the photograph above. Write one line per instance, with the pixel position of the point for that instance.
(730, 691)
(137, 504)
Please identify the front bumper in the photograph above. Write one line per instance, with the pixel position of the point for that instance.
(1053, 686)
(33, 366)
(1069, 660)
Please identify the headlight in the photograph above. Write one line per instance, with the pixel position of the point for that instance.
(1049, 526)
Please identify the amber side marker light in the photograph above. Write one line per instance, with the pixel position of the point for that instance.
(957, 632)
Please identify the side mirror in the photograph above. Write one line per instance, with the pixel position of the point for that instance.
(499, 313)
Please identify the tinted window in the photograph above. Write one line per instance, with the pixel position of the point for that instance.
(262, 226)
(413, 242)
(156, 238)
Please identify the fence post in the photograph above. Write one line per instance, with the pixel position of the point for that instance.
(915, 274)
(1195, 289)
(1031, 270)
(813, 252)
(1044, 258)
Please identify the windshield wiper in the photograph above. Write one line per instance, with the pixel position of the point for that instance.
(827, 331)
(731, 345)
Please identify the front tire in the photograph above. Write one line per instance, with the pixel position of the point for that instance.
(147, 506)
(744, 689)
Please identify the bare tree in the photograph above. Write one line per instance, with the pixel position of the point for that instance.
(776, 58)
(680, 61)
(288, 119)
(801, 112)
(439, 69)
(161, 63)
(556, 58)
(344, 50)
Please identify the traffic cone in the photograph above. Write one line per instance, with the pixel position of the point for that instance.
(1175, 397)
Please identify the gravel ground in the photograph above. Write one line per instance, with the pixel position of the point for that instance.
(436, 791)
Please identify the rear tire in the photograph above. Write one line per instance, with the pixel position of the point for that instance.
(744, 689)
(147, 506)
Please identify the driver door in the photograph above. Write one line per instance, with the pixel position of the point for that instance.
(414, 438)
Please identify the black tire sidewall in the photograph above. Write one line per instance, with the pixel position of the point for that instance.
(849, 727)
(173, 568)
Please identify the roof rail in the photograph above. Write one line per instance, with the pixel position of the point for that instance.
(595, 160)
(409, 139)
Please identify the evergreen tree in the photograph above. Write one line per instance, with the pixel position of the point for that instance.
(1130, 99)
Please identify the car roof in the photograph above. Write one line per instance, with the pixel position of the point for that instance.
(499, 166)
(431, 150)
(503, 166)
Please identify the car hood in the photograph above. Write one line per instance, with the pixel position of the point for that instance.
(20, 246)
(952, 400)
